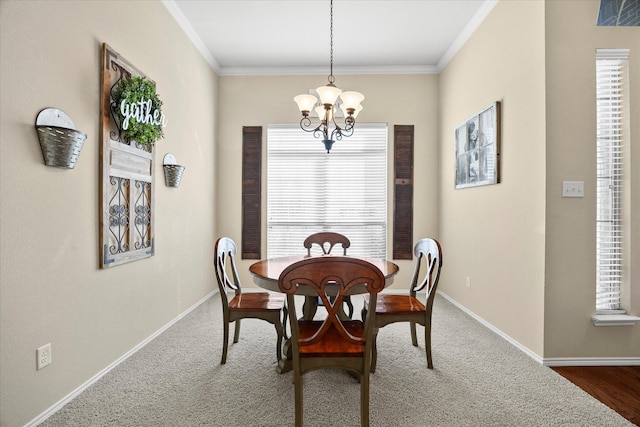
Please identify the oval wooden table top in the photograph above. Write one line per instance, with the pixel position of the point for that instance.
(267, 271)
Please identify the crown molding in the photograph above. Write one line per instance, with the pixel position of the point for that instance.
(183, 22)
(473, 25)
(323, 71)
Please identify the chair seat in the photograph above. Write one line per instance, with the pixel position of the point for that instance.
(257, 301)
(331, 344)
(397, 304)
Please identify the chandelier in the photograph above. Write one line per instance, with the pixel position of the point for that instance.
(331, 98)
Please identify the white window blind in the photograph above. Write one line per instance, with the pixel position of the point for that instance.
(610, 92)
(309, 191)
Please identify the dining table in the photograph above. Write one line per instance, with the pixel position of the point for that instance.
(266, 273)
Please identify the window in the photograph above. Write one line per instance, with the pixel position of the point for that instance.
(612, 116)
(344, 191)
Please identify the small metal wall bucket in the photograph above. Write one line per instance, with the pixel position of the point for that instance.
(59, 140)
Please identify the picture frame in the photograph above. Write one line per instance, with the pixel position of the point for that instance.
(477, 149)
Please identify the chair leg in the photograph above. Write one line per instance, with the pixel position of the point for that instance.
(225, 341)
(279, 331)
(364, 399)
(374, 352)
(309, 307)
(236, 335)
(427, 344)
(298, 391)
(363, 313)
(414, 337)
(350, 305)
(285, 316)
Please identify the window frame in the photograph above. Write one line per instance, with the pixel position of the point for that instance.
(613, 192)
(311, 169)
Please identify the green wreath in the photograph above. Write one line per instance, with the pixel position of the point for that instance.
(140, 120)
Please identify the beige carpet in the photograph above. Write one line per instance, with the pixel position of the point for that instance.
(479, 380)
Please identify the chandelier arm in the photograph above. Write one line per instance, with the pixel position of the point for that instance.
(336, 134)
(305, 125)
(349, 123)
(335, 125)
(321, 131)
(347, 132)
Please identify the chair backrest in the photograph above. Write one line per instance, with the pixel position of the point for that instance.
(331, 278)
(428, 264)
(225, 266)
(327, 240)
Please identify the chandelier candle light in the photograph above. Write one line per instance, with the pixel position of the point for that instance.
(330, 98)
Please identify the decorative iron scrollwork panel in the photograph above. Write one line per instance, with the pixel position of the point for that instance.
(116, 133)
(142, 236)
(118, 216)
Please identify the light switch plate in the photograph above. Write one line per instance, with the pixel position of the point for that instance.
(572, 188)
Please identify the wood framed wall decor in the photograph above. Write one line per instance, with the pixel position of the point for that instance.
(477, 149)
(127, 189)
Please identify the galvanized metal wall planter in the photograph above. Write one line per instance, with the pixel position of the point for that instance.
(172, 171)
(60, 141)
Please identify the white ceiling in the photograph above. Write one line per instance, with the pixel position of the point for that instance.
(264, 37)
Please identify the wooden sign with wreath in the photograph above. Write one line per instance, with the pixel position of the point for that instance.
(131, 123)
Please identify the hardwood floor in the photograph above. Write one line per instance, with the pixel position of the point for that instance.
(618, 387)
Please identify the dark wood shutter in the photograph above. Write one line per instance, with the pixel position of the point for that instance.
(251, 191)
(403, 192)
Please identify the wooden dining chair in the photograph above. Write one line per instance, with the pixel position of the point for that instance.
(407, 308)
(257, 305)
(332, 342)
(326, 240)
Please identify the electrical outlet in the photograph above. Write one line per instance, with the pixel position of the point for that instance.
(43, 356)
(468, 282)
(572, 188)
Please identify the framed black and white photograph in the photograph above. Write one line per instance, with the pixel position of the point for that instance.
(477, 149)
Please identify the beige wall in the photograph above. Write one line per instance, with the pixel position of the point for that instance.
(533, 269)
(495, 234)
(259, 101)
(52, 290)
(571, 41)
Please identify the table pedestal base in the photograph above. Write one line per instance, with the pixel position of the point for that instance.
(310, 307)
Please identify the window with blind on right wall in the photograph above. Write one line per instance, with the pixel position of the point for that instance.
(612, 188)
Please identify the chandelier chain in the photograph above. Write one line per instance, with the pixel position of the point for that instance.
(331, 78)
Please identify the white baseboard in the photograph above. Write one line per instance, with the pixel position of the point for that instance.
(506, 337)
(58, 405)
(592, 361)
(551, 361)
